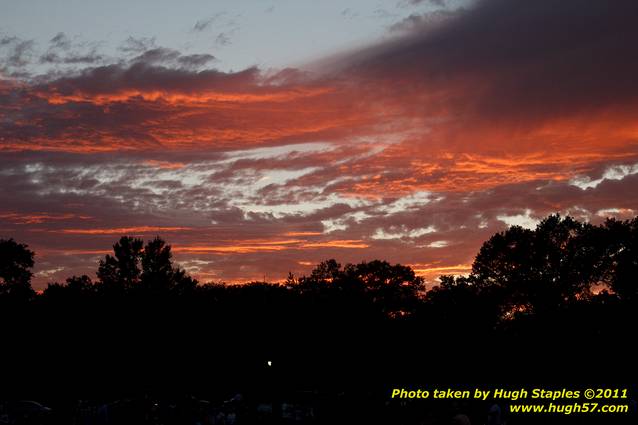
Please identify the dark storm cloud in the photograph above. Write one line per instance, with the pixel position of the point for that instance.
(519, 57)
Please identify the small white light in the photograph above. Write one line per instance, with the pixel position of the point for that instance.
(269, 363)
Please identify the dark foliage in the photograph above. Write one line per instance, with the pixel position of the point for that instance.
(557, 300)
(15, 274)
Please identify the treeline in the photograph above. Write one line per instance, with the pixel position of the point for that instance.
(562, 297)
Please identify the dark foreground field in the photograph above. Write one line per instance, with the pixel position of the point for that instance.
(550, 308)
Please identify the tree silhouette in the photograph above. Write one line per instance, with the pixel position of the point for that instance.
(394, 290)
(158, 272)
(538, 270)
(157, 266)
(122, 270)
(146, 268)
(460, 304)
(16, 261)
(620, 257)
(76, 288)
(80, 284)
(565, 288)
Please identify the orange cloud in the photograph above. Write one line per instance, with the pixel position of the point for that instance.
(121, 230)
(431, 272)
(72, 251)
(303, 234)
(165, 165)
(185, 118)
(251, 246)
(228, 249)
(38, 218)
(429, 269)
(182, 99)
(346, 243)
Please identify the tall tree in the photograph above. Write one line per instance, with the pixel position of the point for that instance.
(393, 290)
(539, 270)
(16, 261)
(157, 265)
(621, 257)
(122, 270)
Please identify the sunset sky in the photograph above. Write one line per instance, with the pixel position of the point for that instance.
(261, 137)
